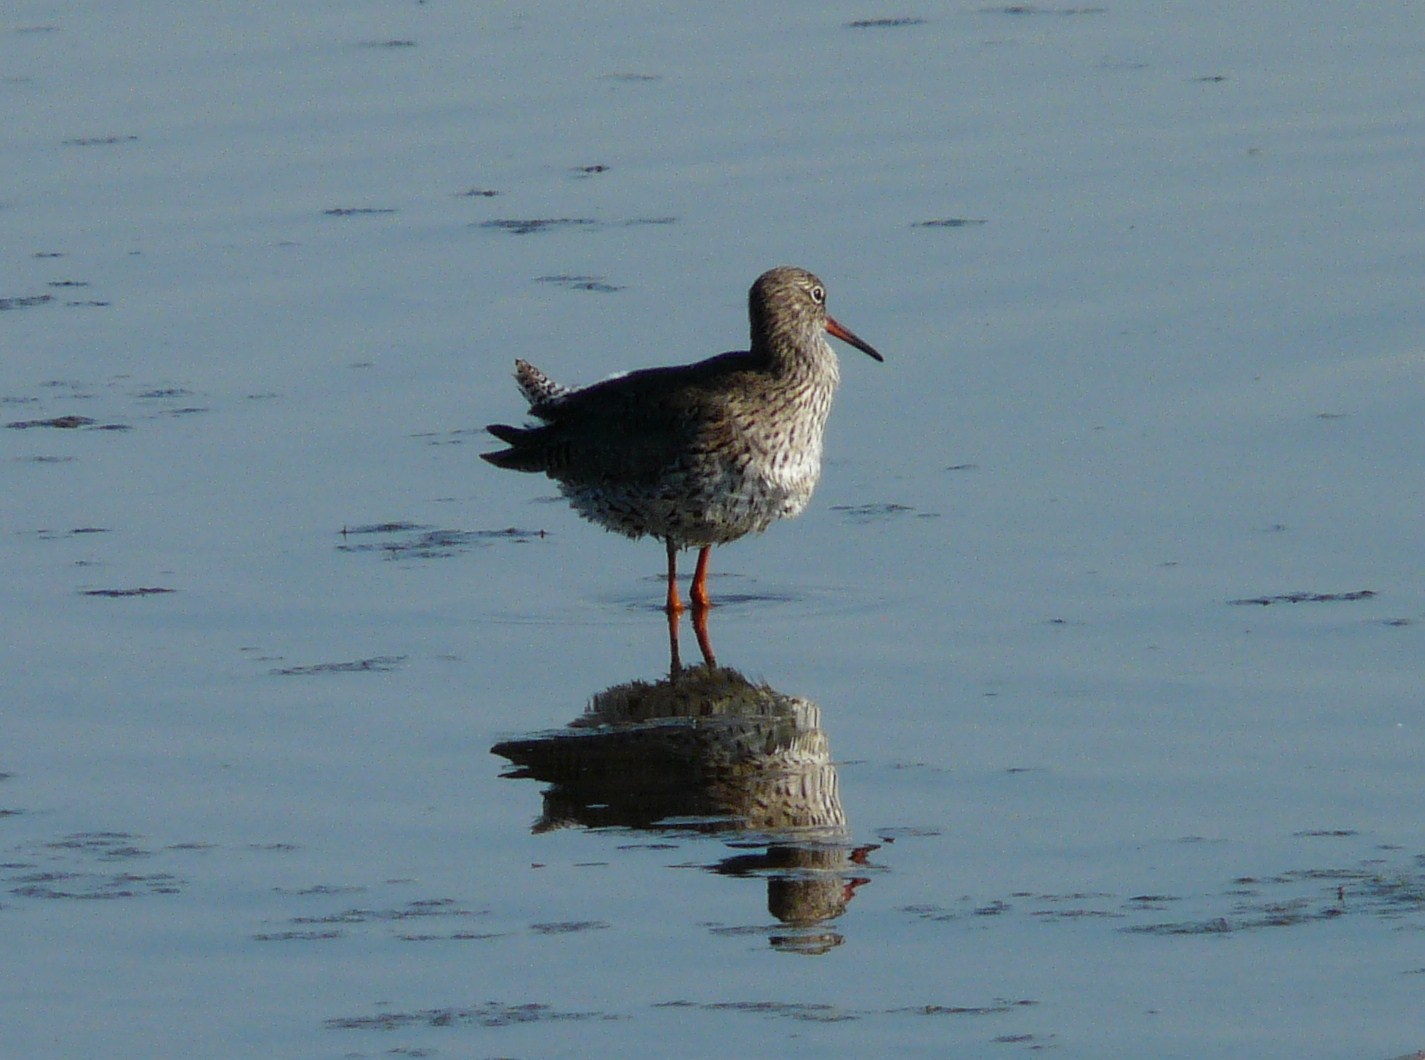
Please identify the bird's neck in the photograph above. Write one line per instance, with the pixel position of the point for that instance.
(799, 362)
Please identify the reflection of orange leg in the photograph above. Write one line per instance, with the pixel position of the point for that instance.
(674, 605)
(700, 627)
(675, 661)
(699, 591)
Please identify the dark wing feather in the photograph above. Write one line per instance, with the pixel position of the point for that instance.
(630, 429)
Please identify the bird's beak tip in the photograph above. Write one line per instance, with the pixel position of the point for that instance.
(846, 335)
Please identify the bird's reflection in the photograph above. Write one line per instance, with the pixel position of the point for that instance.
(700, 630)
(707, 750)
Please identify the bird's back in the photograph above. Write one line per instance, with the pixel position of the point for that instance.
(630, 429)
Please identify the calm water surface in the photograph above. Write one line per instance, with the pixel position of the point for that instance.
(1081, 712)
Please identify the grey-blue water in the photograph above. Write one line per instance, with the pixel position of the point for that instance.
(1097, 658)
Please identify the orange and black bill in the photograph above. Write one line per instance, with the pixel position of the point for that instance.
(849, 336)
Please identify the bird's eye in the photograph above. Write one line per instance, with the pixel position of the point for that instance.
(818, 294)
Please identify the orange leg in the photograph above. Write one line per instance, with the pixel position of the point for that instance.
(699, 591)
(674, 605)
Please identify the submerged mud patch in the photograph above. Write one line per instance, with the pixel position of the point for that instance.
(885, 23)
(822, 1013)
(99, 141)
(951, 222)
(1293, 898)
(795, 1010)
(142, 590)
(358, 211)
(375, 664)
(1036, 9)
(24, 301)
(533, 225)
(872, 513)
(488, 1014)
(404, 540)
(325, 926)
(1305, 598)
(525, 226)
(88, 866)
(580, 283)
(62, 423)
(568, 927)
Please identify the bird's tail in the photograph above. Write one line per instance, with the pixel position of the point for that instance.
(528, 449)
(538, 389)
(520, 456)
